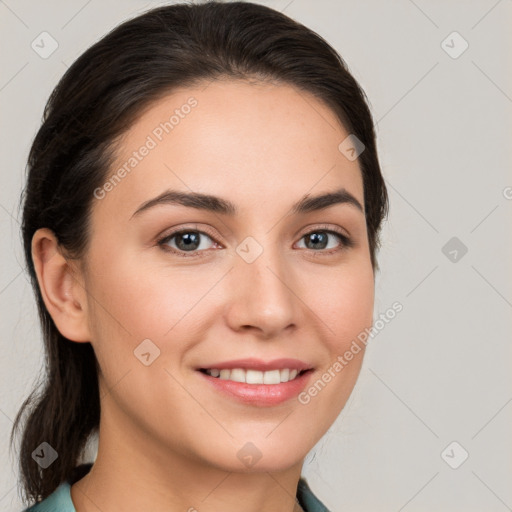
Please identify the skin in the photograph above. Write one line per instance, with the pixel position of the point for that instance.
(168, 440)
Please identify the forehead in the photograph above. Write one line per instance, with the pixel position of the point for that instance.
(258, 142)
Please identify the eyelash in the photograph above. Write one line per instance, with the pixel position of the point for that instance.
(346, 242)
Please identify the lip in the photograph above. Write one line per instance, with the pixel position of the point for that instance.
(259, 364)
(262, 395)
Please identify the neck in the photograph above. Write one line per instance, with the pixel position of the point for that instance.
(131, 474)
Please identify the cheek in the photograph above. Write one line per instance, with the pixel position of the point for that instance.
(344, 301)
(128, 294)
(326, 395)
(354, 309)
(133, 301)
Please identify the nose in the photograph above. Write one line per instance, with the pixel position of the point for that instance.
(262, 297)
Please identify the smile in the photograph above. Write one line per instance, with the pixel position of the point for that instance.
(260, 395)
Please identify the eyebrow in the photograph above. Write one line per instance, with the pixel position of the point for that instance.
(219, 205)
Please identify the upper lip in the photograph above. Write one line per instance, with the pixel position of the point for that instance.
(259, 364)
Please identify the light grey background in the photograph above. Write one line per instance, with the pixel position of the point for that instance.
(441, 370)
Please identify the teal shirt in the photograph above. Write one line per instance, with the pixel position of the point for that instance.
(60, 500)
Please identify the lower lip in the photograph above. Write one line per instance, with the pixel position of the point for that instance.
(262, 395)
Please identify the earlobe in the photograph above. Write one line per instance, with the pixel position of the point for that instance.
(61, 287)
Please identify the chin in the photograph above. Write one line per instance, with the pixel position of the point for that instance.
(259, 455)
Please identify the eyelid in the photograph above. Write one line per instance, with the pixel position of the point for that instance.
(184, 228)
(327, 227)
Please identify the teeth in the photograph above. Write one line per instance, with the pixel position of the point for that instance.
(254, 376)
(238, 375)
(251, 376)
(271, 377)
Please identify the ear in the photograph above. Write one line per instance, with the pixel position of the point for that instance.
(62, 286)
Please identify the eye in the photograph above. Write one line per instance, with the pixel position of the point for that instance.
(318, 241)
(186, 240)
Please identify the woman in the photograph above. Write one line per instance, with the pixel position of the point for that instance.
(201, 221)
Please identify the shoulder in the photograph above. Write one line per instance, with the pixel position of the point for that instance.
(308, 501)
(58, 501)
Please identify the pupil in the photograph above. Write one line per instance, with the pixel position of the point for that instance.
(188, 241)
(318, 238)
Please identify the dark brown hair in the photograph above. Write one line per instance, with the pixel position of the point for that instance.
(97, 100)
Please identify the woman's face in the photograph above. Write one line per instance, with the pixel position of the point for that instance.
(265, 280)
